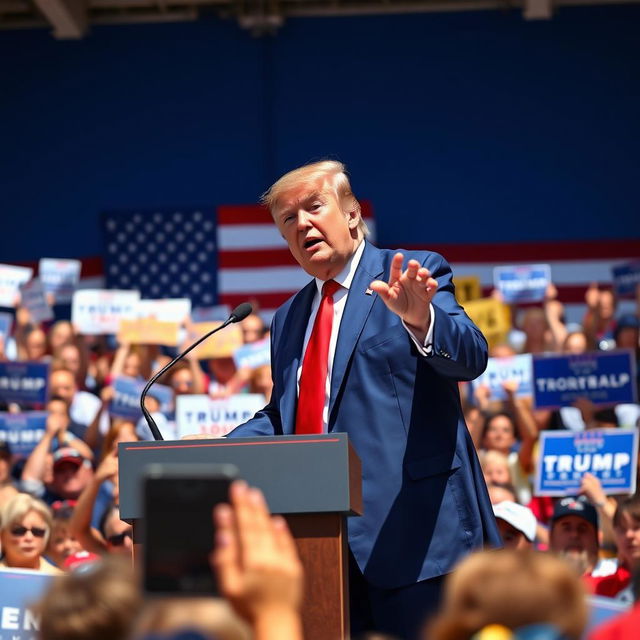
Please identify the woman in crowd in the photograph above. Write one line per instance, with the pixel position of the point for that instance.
(25, 527)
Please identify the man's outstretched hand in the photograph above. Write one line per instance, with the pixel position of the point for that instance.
(408, 294)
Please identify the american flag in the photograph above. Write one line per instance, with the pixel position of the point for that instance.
(163, 253)
(255, 264)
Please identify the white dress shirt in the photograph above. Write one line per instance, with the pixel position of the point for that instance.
(344, 279)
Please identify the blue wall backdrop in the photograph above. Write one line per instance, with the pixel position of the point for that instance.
(460, 127)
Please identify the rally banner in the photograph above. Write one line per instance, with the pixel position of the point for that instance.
(565, 456)
(200, 414)
(604, 377)
(467, 288)
(492, 317)
(99, 311)
(60, 277)
(523, 282)
(33, 297)
(126, 399)
(165, 310)
(499, 370)
(220, 345)
(148, 331)
(24, 382)
(20, 589)
(11, 277)
(6, 322)
(253, 355)
(626, 278)
(22, 431)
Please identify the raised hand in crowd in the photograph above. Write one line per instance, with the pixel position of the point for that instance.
(591, 487)
(554, 312)
(525, 423)
(80, 525)
(257, 565)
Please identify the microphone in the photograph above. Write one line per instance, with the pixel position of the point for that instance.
(238, 314)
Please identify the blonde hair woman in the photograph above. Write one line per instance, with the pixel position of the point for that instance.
(25, 527)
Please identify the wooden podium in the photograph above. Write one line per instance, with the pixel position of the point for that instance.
(314, 481)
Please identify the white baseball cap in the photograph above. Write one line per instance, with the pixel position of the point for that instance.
(519, 517)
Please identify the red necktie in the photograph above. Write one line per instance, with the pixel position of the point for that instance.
(314, 366)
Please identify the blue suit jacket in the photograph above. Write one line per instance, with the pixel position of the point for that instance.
(425, 500)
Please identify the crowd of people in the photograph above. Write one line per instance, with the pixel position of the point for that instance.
(59, 505)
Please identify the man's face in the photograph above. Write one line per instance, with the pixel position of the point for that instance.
(512, 537)
(69, 479)
(62, 384)
(59, 409)
(575, 538)
(628, 539)
(320, 235)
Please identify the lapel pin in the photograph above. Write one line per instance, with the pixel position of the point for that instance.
(369, 292)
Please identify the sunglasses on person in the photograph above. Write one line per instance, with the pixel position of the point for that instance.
(22, 531)
(117, 540)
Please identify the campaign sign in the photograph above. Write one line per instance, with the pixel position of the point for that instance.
(126, 399)
(6, 322)
(565, 456)
(22, 431)
(99, 311)
(604, 377)
(203, 415)
(222, 344)
(499, 370)
(254, 355)
(522, 283)
(165, 310)
(492, 317)
(11, 277)
(20, 589)
(626, 277)
(34, 299)
(60, 277)
(24, 382)
(218, 313)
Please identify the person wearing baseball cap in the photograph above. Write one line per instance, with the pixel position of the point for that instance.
(574, 533)
(517, 525)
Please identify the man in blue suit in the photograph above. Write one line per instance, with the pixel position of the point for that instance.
(399, 343)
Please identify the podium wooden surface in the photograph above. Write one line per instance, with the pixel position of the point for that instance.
(314, 481)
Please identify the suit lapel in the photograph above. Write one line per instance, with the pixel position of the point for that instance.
(354, 317)
(291, 342)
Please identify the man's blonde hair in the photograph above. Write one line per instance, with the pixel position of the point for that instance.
(327, 173)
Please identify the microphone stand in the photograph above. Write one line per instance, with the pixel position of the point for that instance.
(238, 314)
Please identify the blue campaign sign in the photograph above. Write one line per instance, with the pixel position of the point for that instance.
(6, 322)
(59, 277)
(501, 370)
(253, 355)
(565, 456)
(22, 431)
(522, 283)
(604, 377)
(126, 399)
(19, 590)
(626, 277)
(24, 382)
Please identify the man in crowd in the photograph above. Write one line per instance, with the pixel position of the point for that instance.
(379, 359)
(517, 524)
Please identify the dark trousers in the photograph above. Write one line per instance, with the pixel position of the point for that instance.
(400, 612)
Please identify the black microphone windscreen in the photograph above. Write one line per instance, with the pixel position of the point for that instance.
(241, 312)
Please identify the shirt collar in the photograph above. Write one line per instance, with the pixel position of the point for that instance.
(345, 277)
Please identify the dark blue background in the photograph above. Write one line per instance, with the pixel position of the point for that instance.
(459, 127)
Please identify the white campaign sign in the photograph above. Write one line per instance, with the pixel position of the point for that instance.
(202, 415)
(99, 311)
(11, 277)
